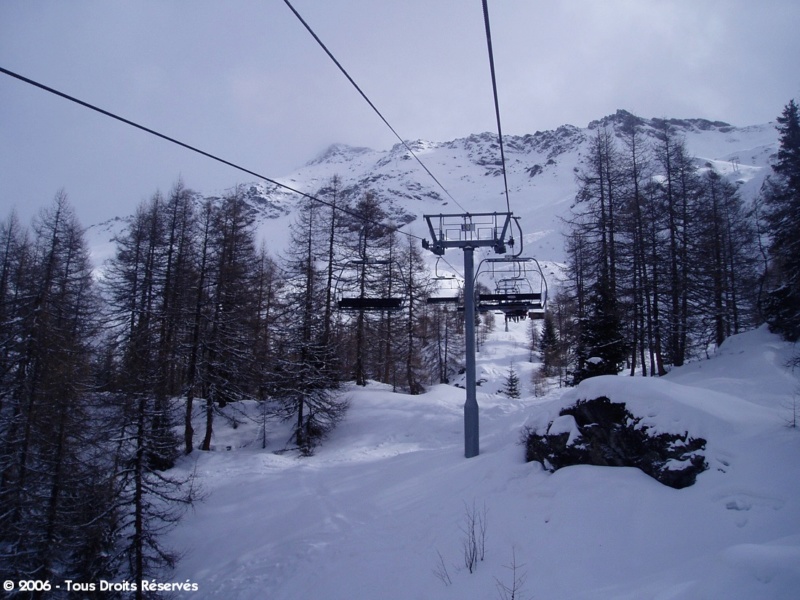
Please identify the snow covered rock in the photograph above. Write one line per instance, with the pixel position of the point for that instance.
(609, 435)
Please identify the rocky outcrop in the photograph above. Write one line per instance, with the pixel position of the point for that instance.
(604, 433)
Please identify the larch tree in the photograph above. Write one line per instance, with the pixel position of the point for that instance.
(658, 255)
(678, 200)
(637, 172)
(594, 249)
(415, 287)
(47, 479)
(302, 383)
(198, 317)
(548, 345)
(723, 247)
(227, 344)
(444, 352)
(147, 501)
(371, 275)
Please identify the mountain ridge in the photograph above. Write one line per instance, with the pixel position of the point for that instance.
(540, 169)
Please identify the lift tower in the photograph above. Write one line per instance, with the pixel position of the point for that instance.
(468, 231)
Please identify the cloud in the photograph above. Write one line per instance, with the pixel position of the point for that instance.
(244, 80)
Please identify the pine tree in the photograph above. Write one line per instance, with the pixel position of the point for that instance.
(602, 346)
(548, 345)
(782, 214)
(595, 250)
(511, 385)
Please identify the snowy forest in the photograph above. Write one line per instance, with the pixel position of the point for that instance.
(666, 261)
(102, 367)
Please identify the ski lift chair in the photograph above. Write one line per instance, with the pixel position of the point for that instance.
(448, 289)
(514, 293)
(366, 303)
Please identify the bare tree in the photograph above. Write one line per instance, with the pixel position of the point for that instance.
(48, 434)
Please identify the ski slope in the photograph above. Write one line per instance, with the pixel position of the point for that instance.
(370, 515)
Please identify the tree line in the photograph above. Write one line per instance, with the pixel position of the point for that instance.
(666, 259)
(108, 374)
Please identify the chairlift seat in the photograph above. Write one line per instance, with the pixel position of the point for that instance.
(370, 304)
(443, 300)
(501, 298)
(510, 303)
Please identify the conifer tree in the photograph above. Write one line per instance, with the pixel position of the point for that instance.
(49, 439)
(660, 253)
(415, 287)
(197, 317)
(724, 272)
(596, 259)
(446, 327)
(227, 370)
(369, 241)
(637, 172)
(146, 500)
(511, 384)
(548, 345)
(782, 214)
(302, 381)
(678, 200)
(602, 346)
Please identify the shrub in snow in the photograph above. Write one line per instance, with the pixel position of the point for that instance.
(604, 433)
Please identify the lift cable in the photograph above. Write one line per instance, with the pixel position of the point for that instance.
(496, 103)
(374, 108)
(199, 151)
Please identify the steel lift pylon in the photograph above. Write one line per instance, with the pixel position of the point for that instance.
(468, 231)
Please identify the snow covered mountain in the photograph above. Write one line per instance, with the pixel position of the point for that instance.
(541, 171)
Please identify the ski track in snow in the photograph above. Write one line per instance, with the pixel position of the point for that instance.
(368, 515)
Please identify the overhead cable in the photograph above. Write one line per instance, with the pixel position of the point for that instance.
(197, 150)
(496, 103)
(363, 95)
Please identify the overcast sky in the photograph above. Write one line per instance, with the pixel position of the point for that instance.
(244, 80)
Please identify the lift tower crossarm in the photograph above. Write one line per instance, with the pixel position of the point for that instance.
(468, 229)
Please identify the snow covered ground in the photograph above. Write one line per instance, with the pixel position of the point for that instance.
(370, 515)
